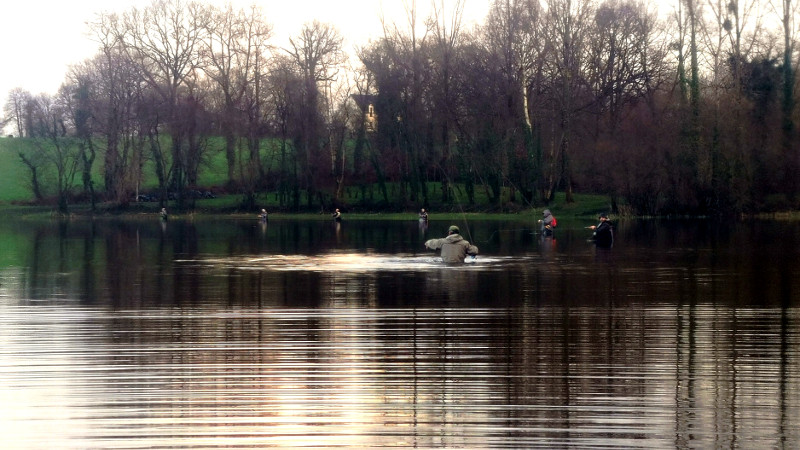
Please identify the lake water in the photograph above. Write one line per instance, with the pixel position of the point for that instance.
(230, 333)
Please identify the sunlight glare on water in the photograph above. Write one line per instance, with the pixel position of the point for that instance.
(346, 262)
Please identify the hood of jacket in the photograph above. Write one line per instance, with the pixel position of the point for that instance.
(453, 238)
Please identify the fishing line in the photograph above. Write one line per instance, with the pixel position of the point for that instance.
(533, 232)
(463, 213)
(458, 201)
(508, 180)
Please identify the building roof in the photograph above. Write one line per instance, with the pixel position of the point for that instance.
(363, 100)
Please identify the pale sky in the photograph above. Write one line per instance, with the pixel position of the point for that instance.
(42, 38)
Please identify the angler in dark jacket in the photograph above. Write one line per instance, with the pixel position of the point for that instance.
(454, 247)
(603, 235)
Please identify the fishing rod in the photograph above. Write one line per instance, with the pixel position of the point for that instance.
(533, 232)
(463, 213)
(458, 201)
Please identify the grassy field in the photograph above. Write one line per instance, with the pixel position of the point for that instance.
(14, 176)
(15, 189)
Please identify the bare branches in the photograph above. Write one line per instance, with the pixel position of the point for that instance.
(317, 51)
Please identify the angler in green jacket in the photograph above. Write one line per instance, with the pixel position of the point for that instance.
(454, 247)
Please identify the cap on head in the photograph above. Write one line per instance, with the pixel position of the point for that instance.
(453, 230)
(603, 216)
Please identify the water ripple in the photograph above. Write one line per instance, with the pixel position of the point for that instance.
(426, 377)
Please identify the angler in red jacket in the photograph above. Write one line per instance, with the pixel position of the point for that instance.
(548, 222)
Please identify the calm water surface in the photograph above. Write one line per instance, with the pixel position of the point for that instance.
(230, 333)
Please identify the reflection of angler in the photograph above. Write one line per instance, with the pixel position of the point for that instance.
(548, 243)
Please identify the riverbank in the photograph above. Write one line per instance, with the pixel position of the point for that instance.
(583, 206)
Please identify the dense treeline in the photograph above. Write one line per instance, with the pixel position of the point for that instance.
(688, 111)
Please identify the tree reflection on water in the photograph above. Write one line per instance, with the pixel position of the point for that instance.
(226, 333)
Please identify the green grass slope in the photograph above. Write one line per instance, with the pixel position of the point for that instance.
(14, 176)
(15, 187)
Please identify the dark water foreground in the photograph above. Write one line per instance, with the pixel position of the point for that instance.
(233, 334)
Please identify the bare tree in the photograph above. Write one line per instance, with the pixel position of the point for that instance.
(626, 72)
(732, 38)
(789, 21)
(513, 33)
(693, 16)
(447, 36)
(622, 58)
(363, 124)
(339, 117)
(35, 162)
(234, 51)
(317, 52)
(284, 87)
(76, 96)
(404, 65)
(566, 32)
(163, 40)
(55, 144)
(117, 88)
(15, 109)
(382, 85)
